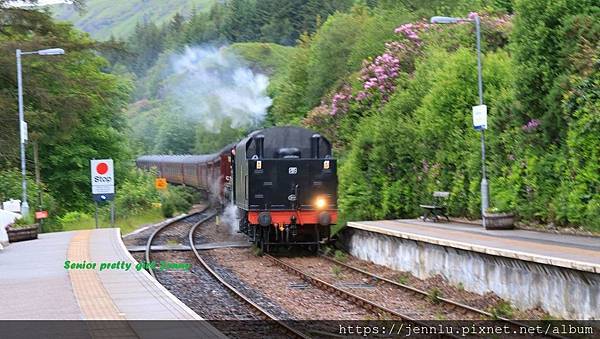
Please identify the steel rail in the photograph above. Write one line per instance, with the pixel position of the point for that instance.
(450, 302)
(240, 295)
(160, 229)
(358, 300)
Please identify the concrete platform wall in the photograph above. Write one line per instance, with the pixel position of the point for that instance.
(562, 292)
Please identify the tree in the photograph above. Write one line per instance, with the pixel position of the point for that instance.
(73, 108)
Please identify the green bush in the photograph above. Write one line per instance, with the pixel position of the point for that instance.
(73, 217)
(136, 193)
(177, 199)
(28, 220)
(167, 208)
(329, 52)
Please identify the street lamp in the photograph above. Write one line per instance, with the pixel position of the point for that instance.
(22, 124)
(484, 183)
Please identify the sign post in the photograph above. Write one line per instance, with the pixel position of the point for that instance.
(103, 184)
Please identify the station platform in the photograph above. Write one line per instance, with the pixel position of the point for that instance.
(35, 285)
(570, 251)
(555, 272)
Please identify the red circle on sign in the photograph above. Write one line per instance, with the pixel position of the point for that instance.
(102, 168)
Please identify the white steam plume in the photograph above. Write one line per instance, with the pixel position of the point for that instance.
(212, 84)
(230, 218)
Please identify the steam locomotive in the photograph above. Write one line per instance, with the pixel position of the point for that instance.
(283, 181)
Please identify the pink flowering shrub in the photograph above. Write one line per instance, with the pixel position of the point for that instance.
(378, 76)
(341, 100)
(411, 31)
(321, 118)
(531, 125)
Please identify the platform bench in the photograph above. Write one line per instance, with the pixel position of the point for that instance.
(437, 208)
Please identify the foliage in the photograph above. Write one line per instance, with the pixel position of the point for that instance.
(75, 217)
(402, 278)
(329, 52)
(136, 194)
(391, 91)
(403, 127)
(434, 295)
(24, 222)
(340, 256)
(127, 223)
(547, 39)
(167, 208)
(176, 199)
(578, 198)
(337, 271)
(269, 59)
(502, 309)
(210, 141)
(279, 21)
(289, 105)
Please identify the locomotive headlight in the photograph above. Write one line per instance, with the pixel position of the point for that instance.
(321, 203)
(326, 164)
(259, 164)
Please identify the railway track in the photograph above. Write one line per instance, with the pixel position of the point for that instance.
(449, 302)
(176, 231)
(386, 311)
(182, 230)
(382, 311)
(266, 314)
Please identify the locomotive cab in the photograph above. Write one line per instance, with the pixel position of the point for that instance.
(285, 187)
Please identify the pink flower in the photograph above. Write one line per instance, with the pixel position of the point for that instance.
(531, 125)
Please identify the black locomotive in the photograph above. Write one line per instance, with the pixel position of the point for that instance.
(285, 187)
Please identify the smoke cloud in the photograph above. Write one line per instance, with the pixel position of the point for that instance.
(230, 218)
(212, 85)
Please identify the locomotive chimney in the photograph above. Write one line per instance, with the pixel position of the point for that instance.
(314, 145)
(260, 145)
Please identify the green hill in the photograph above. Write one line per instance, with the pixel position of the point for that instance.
(102, 18)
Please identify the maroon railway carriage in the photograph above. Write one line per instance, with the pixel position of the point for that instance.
(210, 172)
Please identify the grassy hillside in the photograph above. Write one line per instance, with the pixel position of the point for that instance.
(102, 18)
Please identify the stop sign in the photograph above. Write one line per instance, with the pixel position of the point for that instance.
(103, 181)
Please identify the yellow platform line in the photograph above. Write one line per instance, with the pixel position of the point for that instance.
(93, 299)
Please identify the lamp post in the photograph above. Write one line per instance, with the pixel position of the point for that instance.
(22, 124)
(484, 183)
